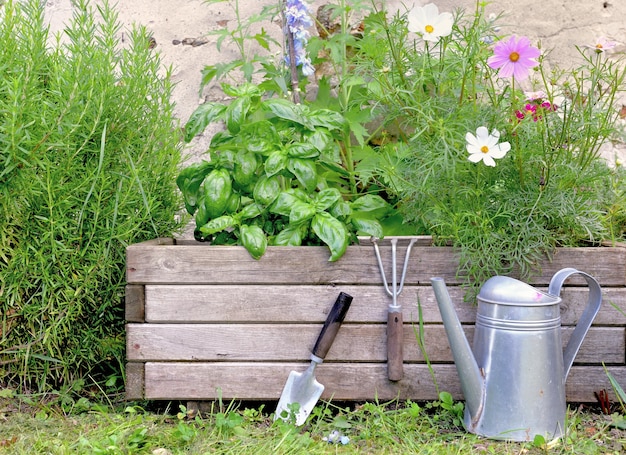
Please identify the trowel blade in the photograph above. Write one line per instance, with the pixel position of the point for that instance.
(301, 388)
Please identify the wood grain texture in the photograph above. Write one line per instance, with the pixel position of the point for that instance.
(206, 264)
(135, 381)
(342, 381)
(204, 318)
(290, 342)
(135, 303)
(253, 303)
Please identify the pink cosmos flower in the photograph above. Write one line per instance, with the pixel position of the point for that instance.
(529, 109)
(603, 44)
(535, 109)
(514, 57)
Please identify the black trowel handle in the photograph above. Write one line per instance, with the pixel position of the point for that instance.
(332, 324)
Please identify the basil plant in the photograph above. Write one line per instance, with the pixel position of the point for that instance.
(276, 176)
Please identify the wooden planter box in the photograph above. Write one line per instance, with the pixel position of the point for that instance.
(209, 321)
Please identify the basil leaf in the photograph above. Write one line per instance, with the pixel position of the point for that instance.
(326, 198)
(236, 113)
(276, 162)
(217, 192)
(368, 226)
(266, 190)
(332, 232)
(189, 181)
(290, 236)
(301, 211)
(253, 239)
(217, 224)
(369, 203)
(201, 118)
(305, 171)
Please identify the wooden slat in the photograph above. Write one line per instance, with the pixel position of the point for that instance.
(206, 381)
(206, 264)
(222, 303)
(165, 303)
(134, 303)
(135, 381)
(290, 342)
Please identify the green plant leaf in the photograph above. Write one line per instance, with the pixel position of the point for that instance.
(217, 225)
(260, 137)
(332, 232)
(253, 239)
(236, 113)
(327, 118)
(290, 236)
(367, 226)
(327, 198)
(305, 171)
(302, 150)
(287, 110)
(189, 181)
(266, 190)
(276, 162)
(370, 203)
(200, 118)
(251, 210)
(321, 139)
(341, 209)
(284, 202)
(217, 191)
(245, 166)
(301, 211)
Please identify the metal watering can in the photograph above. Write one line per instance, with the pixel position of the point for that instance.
(513, 380)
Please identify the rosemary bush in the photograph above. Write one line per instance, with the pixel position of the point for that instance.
(88, 160)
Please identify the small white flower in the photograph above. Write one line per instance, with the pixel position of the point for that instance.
(484, 146)
(427, 21)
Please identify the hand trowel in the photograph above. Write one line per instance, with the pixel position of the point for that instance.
(303, 388)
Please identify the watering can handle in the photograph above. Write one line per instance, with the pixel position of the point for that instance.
(593, 306)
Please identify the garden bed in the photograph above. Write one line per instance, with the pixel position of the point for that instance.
(205, 321)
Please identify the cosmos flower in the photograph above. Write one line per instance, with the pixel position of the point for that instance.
(602, 44)
(514, 57)
(535, 96)
(529, 109)
(427, 22)
(484, 146)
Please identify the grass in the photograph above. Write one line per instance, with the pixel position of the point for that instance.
(56, 425)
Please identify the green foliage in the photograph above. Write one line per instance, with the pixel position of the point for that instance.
(88, 160)
(552, 189)
(387, 115)
(275, 177)
(282, 172)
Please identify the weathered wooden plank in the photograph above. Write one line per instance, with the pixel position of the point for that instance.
(135, 381)
(264, 381)
(134, 303)
(206, 264)
(291, 342)
(307, 303)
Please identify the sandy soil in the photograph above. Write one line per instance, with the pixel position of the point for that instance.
(558, 24)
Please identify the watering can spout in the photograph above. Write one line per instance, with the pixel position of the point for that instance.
(472, 381)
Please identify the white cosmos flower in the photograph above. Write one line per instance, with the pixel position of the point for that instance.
(485, 147)
(426, 21)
